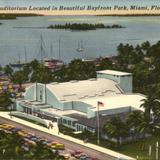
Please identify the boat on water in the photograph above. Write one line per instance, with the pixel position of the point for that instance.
(19, 64)
(84, 56)
(53, 63)
(80, 47)
(88, 59)
(42, 56)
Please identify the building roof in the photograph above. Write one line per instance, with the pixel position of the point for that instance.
(59, 113)
(78, 90)
(92, 122)
(112, 72)
(34, 104)
(119, 101)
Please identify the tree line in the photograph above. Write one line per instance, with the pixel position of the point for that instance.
(12, 147)
(142, 60)
(137, 124)
(83, 26)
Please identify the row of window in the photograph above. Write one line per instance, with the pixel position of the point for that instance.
(68, 122)
(80, 128)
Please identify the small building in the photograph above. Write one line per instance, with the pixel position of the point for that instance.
(75, 103)
(123, 79)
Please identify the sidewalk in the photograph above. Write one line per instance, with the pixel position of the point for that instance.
(55, 132)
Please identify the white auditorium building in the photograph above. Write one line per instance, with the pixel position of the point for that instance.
(74, 103)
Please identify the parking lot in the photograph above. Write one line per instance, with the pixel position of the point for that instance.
(70, 147)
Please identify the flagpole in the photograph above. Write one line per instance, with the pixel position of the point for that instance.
(150, 150)
(157, 146)
(98, 124)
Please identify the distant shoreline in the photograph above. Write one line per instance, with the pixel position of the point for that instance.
(81, 13)
(130, 15)
(10, 16)
(7, 16)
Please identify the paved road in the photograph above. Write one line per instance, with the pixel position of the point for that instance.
(69, 145)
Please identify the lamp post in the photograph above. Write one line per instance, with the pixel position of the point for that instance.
(150, 150)
(3, 151)
(157, 146)
(10, 108)
(98, 128)
(98, 124)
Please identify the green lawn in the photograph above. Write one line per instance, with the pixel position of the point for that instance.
(30, 120)
(133, 149)
(141, 148)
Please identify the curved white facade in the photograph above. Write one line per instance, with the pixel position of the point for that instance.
(64, 100)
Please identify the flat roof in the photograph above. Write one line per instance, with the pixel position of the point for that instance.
(119, 101)
(92, 122)
(58, 112)
(78, 90)
(35, 104)
(112, 72)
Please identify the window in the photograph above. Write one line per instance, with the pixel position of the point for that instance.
(73, 124)
(40, 97)
(69, 123)
(64, 121)
(80, 128)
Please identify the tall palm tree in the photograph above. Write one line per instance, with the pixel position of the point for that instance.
(134, 119)
(19, 77)
(145, 127)
(115, 128)
(139, 124)
(149, 104)
(8, 70)
(5, 101)
(151, 121)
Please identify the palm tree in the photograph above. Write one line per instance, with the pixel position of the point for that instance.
(5, 101)
(42, 75)
(34, 64)
(139, 124)
(145, 127)
(134, 119)
(8, 71)
(115, 128)
(19, 77)
(149, 104)
(151, 121)
(146, 46)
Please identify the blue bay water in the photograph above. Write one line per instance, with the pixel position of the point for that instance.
(102, 42)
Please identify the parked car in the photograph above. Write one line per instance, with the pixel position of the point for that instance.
(6, 126)
(76, 153)
(58, 146)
